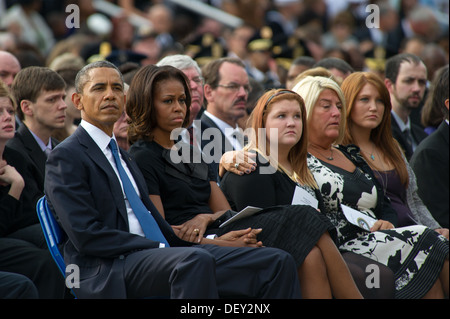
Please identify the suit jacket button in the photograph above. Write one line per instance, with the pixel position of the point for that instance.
(121, 257)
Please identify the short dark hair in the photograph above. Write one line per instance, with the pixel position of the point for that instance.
(440, 93)
(31, 81)
(68, 76)
(392, 66)
(336, 63)
(211, 70)
(82, 75)
(304, 60)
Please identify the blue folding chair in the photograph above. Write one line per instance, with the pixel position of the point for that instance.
(52, 232)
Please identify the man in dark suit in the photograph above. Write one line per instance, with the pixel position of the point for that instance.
(406, 79)
(430, 161)
(40, 94)
(226, 92)
(105, 236)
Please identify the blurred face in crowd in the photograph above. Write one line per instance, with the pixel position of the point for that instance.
(121, 126)
(9, 67)
(237, 42)
(72, 112)
(196, 83)
(260, 59)
(293, 72)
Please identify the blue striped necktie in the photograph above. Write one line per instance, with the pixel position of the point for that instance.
(148, 223)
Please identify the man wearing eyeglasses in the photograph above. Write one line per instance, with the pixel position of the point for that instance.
(226, 91)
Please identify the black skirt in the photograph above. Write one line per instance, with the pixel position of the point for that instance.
(292, 228)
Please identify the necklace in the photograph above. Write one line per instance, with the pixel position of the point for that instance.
(372, 157)
(382, 175)
(330, 158)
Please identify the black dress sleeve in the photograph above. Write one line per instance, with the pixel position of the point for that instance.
(254, 189)
(9, 208)
(149, 164)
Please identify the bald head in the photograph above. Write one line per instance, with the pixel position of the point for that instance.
(9, 67)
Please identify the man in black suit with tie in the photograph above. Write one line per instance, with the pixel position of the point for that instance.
(226, 91)
(86, 190)
(430, 161)
(406, 79)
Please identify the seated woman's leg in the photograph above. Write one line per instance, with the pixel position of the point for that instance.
(341, 282)
(362, 268)
(312, 274)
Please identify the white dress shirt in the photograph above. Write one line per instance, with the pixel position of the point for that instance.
(404, 127)
(228, 131)
(102, 140)
(45, 148)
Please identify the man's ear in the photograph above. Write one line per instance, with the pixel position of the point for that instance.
(26, 107)
(207, 92)
(76, 99)
(389, 85)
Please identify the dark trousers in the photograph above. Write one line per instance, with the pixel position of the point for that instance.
(26, 258)
(15, 286)
(209, 271)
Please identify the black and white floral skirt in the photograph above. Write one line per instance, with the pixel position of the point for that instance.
(415, 254)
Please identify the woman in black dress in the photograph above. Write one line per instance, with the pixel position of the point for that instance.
(187, 194)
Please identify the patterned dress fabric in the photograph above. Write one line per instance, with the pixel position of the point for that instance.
(414, 253)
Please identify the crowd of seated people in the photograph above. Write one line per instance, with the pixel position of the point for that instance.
(370, 130)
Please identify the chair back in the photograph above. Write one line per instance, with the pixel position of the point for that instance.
(53, 233)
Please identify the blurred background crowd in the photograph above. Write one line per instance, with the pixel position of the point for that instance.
(267, 34)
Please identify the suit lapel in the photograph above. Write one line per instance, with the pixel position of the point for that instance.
(32, 148)
(99, 159)
(226, 145)
(443, 129)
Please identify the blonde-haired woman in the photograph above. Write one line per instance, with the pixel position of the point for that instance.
(347, 182)
(280, 140)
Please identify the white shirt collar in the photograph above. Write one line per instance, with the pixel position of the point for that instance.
(400, 122)
(227, 130)
(220, 123)
(100, 138)
(41, 143)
